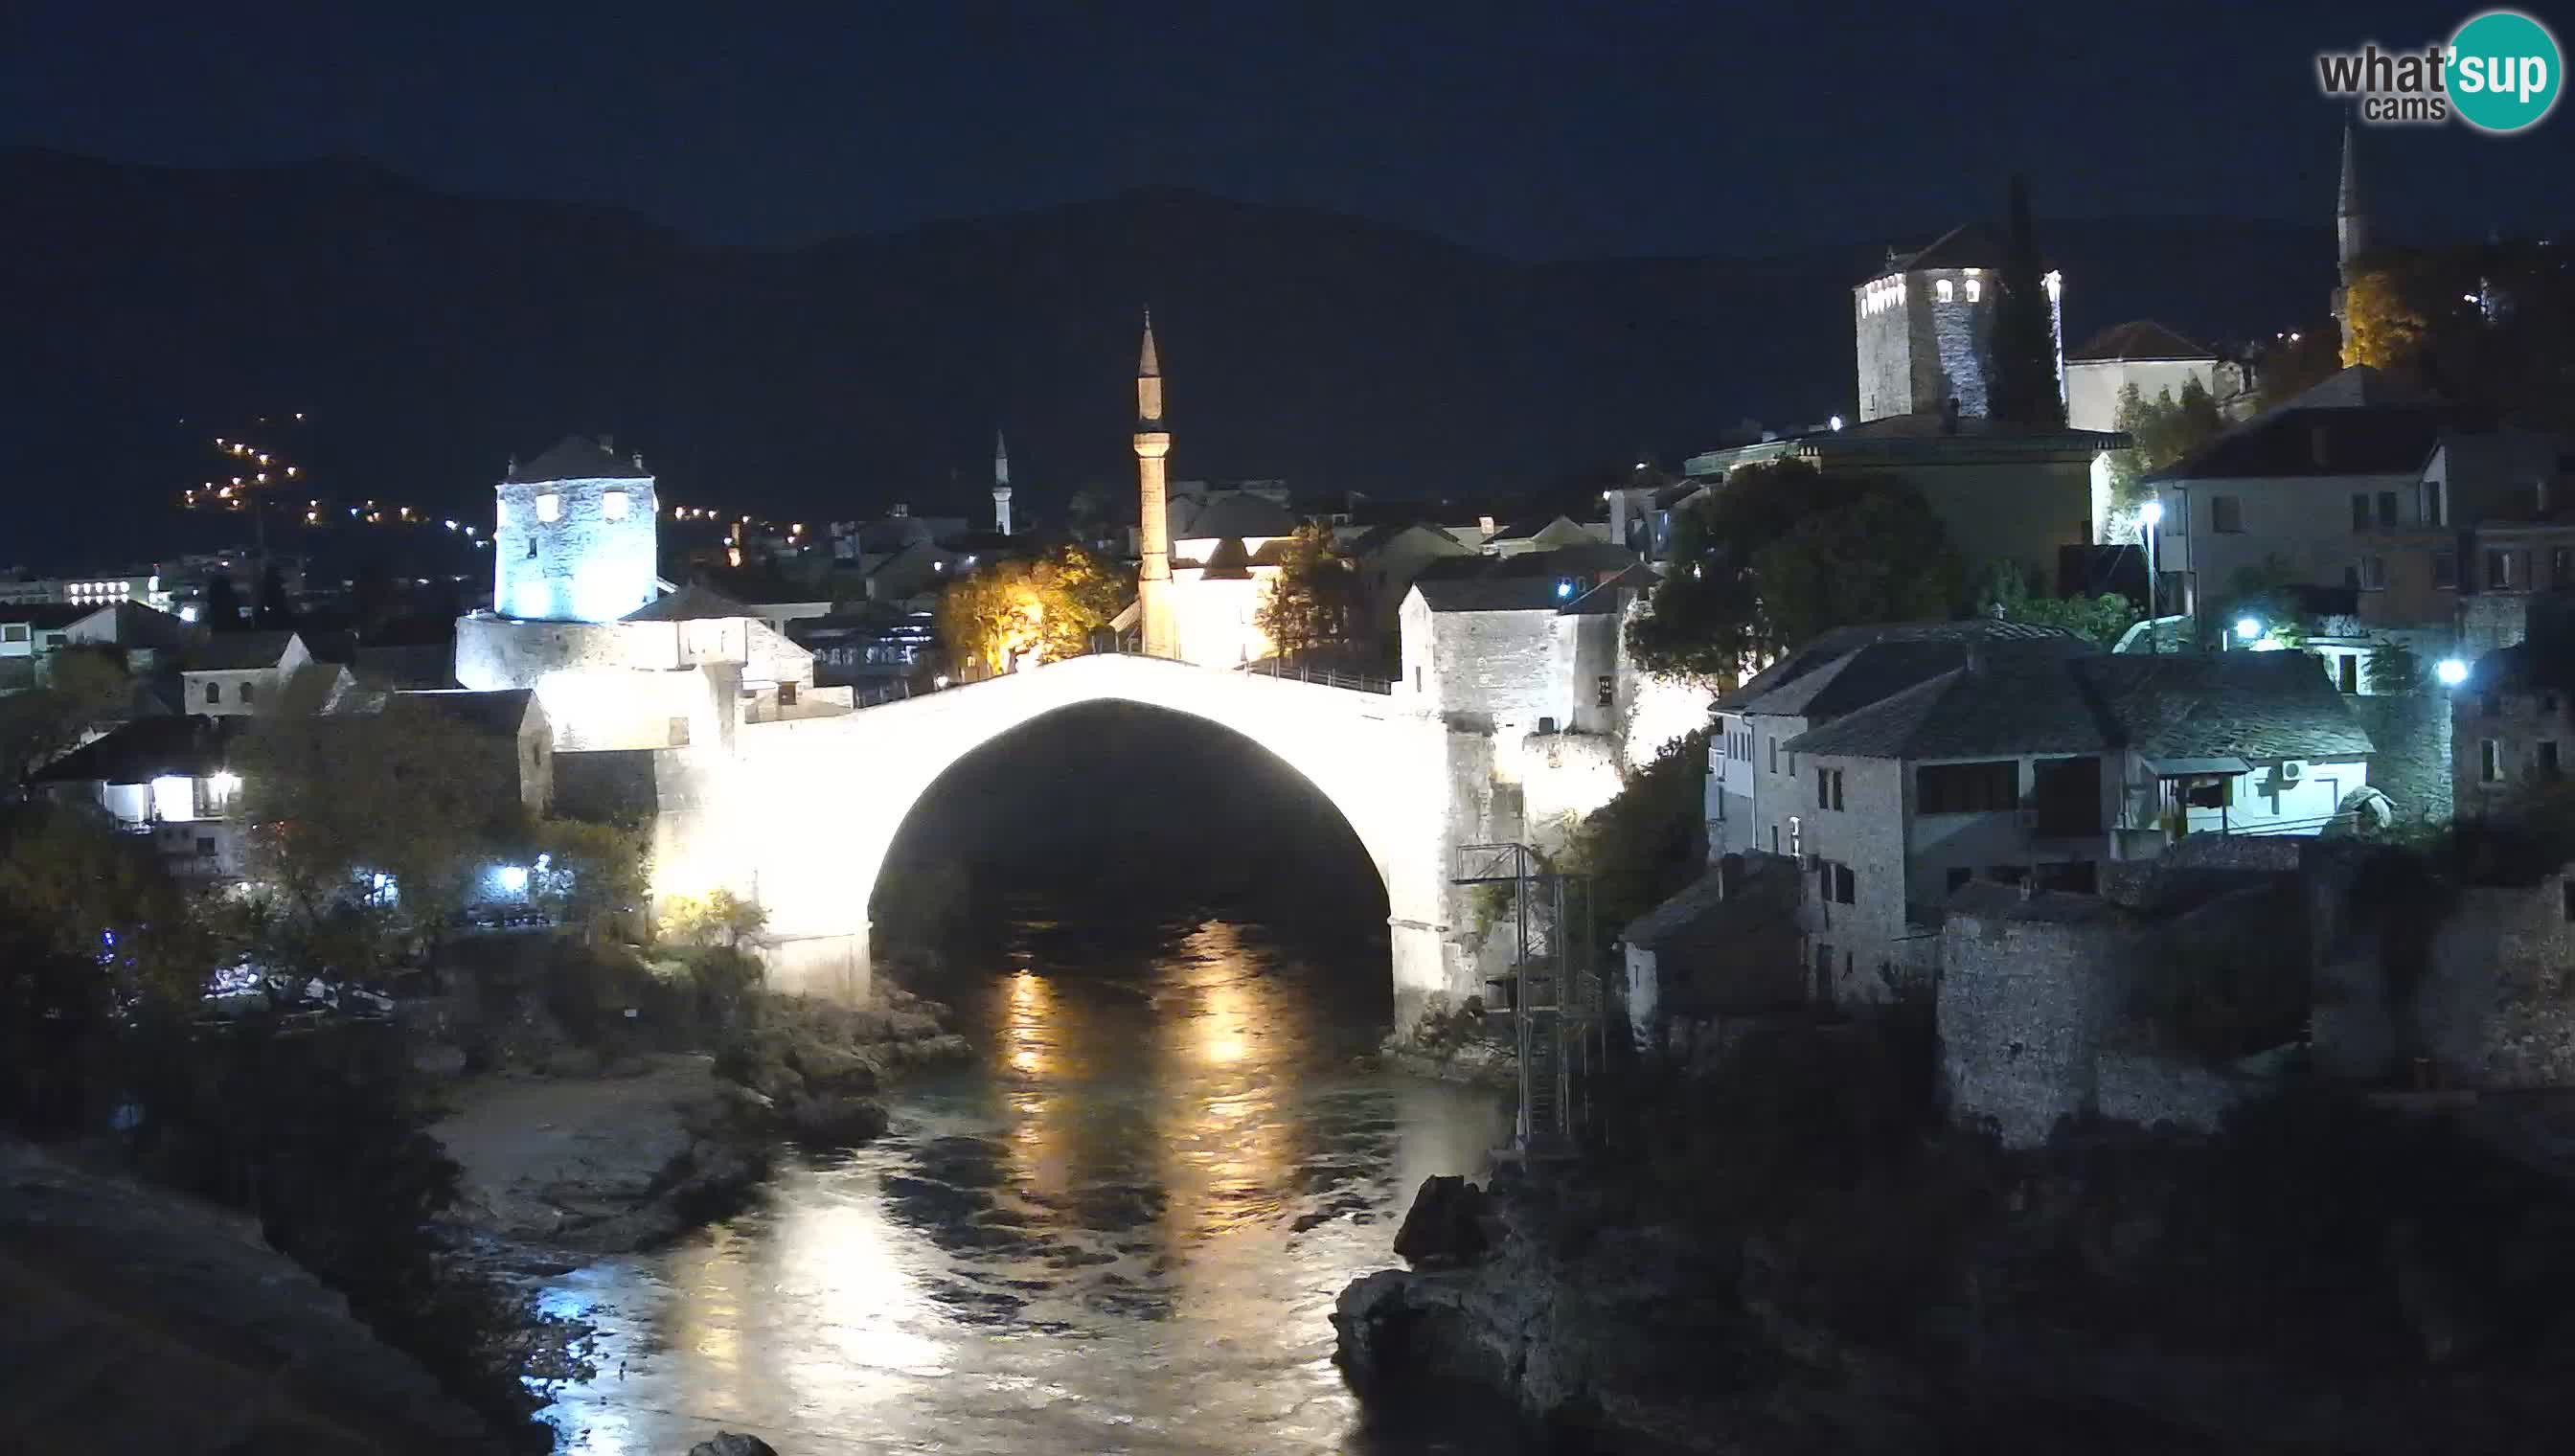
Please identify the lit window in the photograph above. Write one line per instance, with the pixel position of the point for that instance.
(550, 507)
(1947, 291)
(1975, 289)
(611, 505)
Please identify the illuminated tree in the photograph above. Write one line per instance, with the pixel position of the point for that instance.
(718, 918)
(1313, 602)
(1014, 609)
(2164, 430)
(2102, 619)
(2380, 326)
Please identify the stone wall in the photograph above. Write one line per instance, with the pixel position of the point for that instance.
(581, 566)
(2028, 988)
(1957, 343)
(2413, 763)
(2153, 1091)
(2496, 1005)
(1886, 355)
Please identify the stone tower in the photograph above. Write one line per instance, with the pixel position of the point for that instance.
(1153, 548)
(575, 536)
(1923, 323)
(1001, 483)
(2351, 231)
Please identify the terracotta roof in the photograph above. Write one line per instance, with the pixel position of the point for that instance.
(2137, 339)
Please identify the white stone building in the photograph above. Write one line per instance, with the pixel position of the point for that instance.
(1924, 322)
(2140, 353)
(233, 673)
(575, 534)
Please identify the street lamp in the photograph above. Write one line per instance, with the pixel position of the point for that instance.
(2149, 516)
(2247, 629)
(2451, 671)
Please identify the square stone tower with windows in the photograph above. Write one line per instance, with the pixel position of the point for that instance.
(1923, 324)
(576, 535)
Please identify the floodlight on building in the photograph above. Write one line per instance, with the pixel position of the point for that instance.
(2451, 671)
(939, 681)
(223, 784)
(2151, 513)
(514, 878)
(2248, 627)
(1563, 590)
(1835, 422)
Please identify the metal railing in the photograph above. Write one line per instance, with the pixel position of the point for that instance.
(1324, 678)
(901, 688)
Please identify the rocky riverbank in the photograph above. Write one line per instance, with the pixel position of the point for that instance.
(2124, 1298)
(116, 1290)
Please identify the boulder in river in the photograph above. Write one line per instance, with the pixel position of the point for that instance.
(733, 1443)
(1446, 1225)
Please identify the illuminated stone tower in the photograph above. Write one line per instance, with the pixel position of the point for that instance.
(575, 534)
(1153, 569)
(2351, 232)
(1001, 483)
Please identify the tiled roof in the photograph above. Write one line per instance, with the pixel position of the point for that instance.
(1968, 245)
(239, 651)
(2141, 339)
(1843, 641)
(2372, 440)
(692, 602)
(1529, 581)
(1528, 527)
(1231, 513)
(580, 457)
(147, 749)
(46, 616)
(1490, 594)
(2257, 706)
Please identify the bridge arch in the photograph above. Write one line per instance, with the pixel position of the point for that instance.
(813, 805)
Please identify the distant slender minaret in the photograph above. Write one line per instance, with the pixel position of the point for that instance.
(1153, 442)
(2351, 231)
(1001, 483)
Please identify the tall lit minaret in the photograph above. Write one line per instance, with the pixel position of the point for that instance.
(1153, 441)
(2351, 231)
(1001, 483)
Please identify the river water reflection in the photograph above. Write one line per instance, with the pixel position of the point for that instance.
(1121, 1229)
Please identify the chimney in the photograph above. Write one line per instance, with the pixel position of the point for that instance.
(1949, 416)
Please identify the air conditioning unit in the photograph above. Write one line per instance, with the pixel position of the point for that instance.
(2292, 770)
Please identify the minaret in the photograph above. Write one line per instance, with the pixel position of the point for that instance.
(1001, 483)
(1153, 569)
(2351, 229)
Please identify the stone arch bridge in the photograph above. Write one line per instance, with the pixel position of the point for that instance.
(802, 814)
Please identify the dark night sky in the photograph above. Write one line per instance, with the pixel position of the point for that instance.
(1539, 131)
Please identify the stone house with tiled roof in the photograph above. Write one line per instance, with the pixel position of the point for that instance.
(2038, 767)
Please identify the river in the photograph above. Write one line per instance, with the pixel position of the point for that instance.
(1121, 1229)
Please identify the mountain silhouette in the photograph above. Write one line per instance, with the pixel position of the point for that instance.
(429, 337)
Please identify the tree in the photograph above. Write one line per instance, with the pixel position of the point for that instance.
(2394, 667)
(585, 874)
(75, 888)
(371, 826)
(2163, 432)
(2382, 328)
(220, 608)
(2102, 620)
(1047, 607)
(718, 918)
(1850, 547)
(2023, 388)
(1313, 603)
(2289, 366)
(81, 689)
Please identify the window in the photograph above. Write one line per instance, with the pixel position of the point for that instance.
(1844, 884)
(532, 548)
(611, 505)
(2066, 793)
(249, 690)
(1944, 290)
(13, 631)
(1416, 679)
(2226, 514)
(2211, 790)
(1774, 756)
(2489, 761)
(1955, 788)
(787, 694)
(1824, 790)
(2445, 570)
(2503, 574)
(2359, 511)
(2387, 508)
(1838, 788)
(1774, 838)
(1975, 289)
(2561, 567)
(550, 507)
(2373, 573)
(2348, 667)
(214, 693)
(2547, 758)
(1796, 836)
(1604, 690)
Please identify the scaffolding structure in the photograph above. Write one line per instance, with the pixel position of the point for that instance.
(1552, 991)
